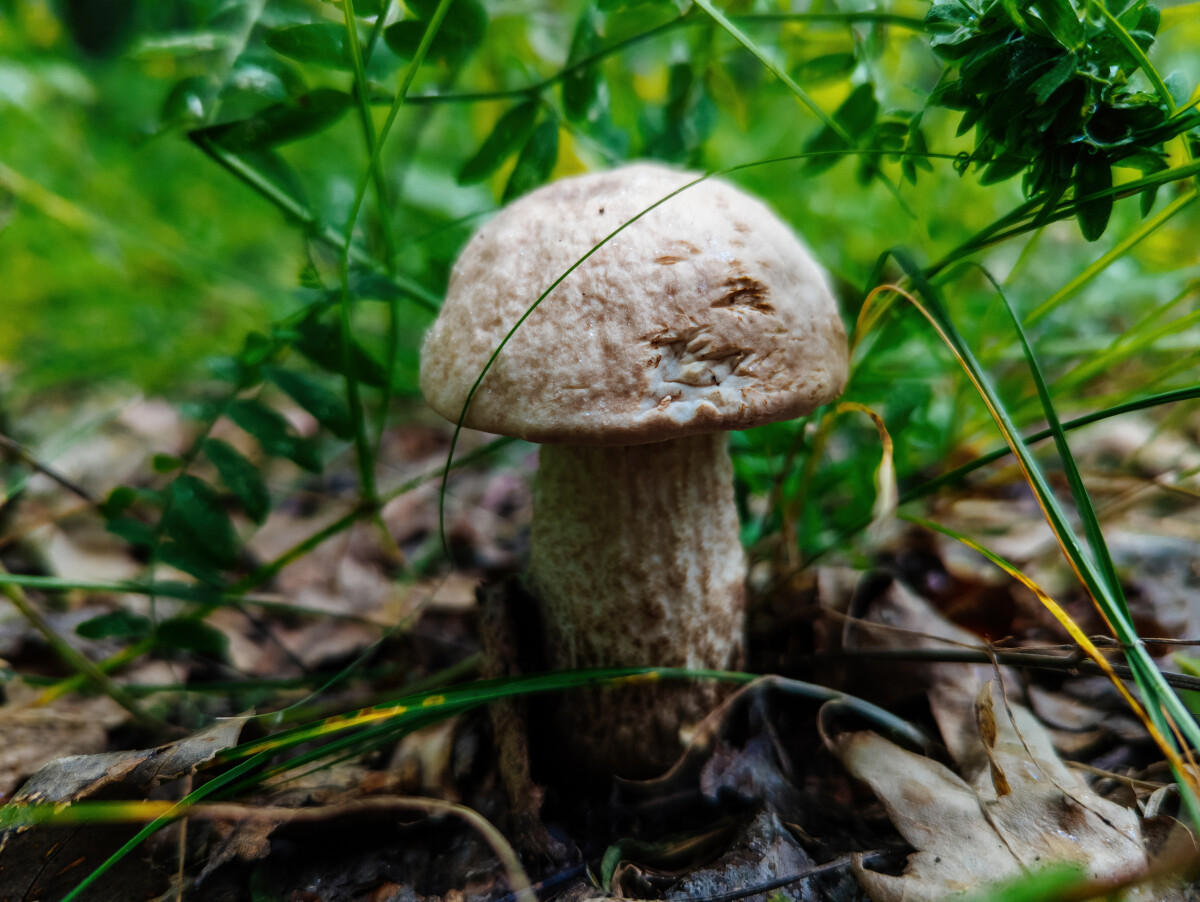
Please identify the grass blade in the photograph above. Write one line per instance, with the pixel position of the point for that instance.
(1173, 723)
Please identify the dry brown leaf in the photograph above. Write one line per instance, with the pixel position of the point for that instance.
(1015, 810)
(45, 862)
(31, 736)
(1012, 807)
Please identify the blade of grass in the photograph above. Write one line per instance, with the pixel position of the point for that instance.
(1170, 397)
(174, 812)
(886, 498)
(445, 702)
(769, 64)
(1127, 345)
(419, 709)
(162, 813)
(1059, 613)
(364, 453)
(1118, 251)
(361, 93)
(790, 83)
(1107, 576)
(84, 668)
(1026, 217)
(959, 473)
(1169, 715)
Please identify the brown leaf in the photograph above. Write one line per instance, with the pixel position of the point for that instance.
(46, 862)
(968, 834)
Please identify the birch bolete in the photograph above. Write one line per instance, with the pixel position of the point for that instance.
(705, 315)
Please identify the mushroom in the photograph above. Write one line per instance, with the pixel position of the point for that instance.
(705, 315)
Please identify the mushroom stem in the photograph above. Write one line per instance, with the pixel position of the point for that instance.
(636, 561)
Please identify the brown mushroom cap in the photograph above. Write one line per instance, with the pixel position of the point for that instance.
(705, 315)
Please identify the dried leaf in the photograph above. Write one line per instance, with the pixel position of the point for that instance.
(45, 862)
(967, 835)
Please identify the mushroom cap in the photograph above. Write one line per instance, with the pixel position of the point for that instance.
(707, 314)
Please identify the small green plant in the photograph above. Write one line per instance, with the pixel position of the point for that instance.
(1046, 85)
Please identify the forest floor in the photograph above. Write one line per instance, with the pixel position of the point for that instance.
(974, 742)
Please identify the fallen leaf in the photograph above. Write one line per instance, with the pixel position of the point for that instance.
(45, 862)
(33, 736)
(1011, 812)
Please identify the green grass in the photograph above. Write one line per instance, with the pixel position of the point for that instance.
(290, 191)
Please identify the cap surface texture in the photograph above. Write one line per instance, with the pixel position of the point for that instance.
(707, 314)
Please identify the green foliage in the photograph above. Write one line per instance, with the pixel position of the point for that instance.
(511, 132)
(241, 477)
(198, 180)
(189, 634)
(535, 161)
(116, 625)
(458, 37)
(1046, 86)
(327, 407)
(322, 43)
(280, 123)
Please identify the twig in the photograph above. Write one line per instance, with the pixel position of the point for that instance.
(74, 659)
(1071, 664)
(21, 454)
(836, 865)
(151, 810)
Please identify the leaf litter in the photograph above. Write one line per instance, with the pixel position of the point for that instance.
(757, 807)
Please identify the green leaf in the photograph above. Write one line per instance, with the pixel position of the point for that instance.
(261, 77)
(917, 145)
(856, 116)
(328, 407)
(274, 433)
(280, 123)
(190, 634)
(1059, 74)
(365, 9)
(825, 68)
(196, 518)
(1177, 86)
(510, 132)
(190, 560)
(461, 31)
(857, 113)
(257, 347)
(115, 625)
(320, 341)
(580, 87)
(1003, 168)
(188, 103)
(1062, 20)
(165, 463)
(1013, 9)
(1146, 199)
(1145, 161)
(322, 43)
(1093, 174)
(132, 530)
(241, 477)
(536, 161)
(1149, 20)
(118, 501)
(309, 277)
